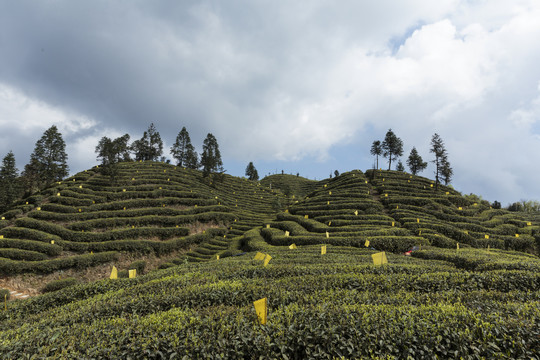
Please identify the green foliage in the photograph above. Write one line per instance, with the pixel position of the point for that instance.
(211, 156)
(138, 265)
(376, 150)
(183, 151)
(149, 147)
(251, 172)
(392, 147)
(48, 161)
(4, 294)
(415, 162)
(111, 152)
(56, 285)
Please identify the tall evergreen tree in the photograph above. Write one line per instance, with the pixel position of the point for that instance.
(376, 150)
(415, 162)
(446, 170)
(183, 151)
(9, 185)
(251, 172)
(111, 152)
(399, 166)
(392, 147)
(437, 148)
(48, 162)
(150, 146)
(211, 157)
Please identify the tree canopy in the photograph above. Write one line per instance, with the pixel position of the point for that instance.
(415, 162)
(392, 147)
(150, 146)
(376, 150)
(251, 172)
(183, 151)
(211, 157)
(9, 184)
(48, 162)
(437, 148)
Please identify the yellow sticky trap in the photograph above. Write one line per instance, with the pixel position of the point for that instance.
(268, 226)
(382, 179)
(261, 310)
(385, 195)
(160, 188)
(114, 273)
(447, 193)
(457, 246)
(168, 179)
(366, 181)
(329, 193)
(123, 190)
(327, 235)
(529, 223)
(467, 232)
(286, 210)
(267, 259)
(475, 204)
(80, 210)
(460, 208)
(408, 181)
(27, 203)
(132, 273)
(57, 194)
(1, 236)
(259, 256)
(417, 220)
(133, 226)
(392, 223)
(328, 203)
(292, 246)
(80, 186)
(356, 212)
(329, 223)
(431, 185)
(124, 208)
(306, 217)
(286, 233)
(164, 171)
(176, 225)
(217, 257)
(38, 208)
(323, 250)
(379, 258)
(486, 236)
(3, 218)
(517, 235)
(52, 242)
(132, 179)
(397, 207)
(366, 244)
(325, 185)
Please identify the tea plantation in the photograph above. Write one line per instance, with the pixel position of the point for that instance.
(469, 289)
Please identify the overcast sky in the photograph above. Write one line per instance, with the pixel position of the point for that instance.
(303, 86)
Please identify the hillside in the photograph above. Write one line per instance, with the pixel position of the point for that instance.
(471, 287)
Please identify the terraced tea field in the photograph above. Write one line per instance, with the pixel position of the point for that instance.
(469, 289)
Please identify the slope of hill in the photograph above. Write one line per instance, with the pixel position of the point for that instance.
(151, 207)
(478, 300)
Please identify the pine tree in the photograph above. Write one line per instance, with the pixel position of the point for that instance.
(446, 170)
(48, 162)
(150, 146)
(400, 166)
(9, 185)
(437, 147)
(376, 150)
(336, 173)
(392, 147)
(251, 172)
(415, 162)
(111, 152)
(183, 151)
(211, 157)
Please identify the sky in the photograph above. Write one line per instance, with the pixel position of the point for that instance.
(304, 86)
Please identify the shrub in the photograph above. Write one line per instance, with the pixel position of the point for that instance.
(139, 265)
(4, 294)
(56, 285)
